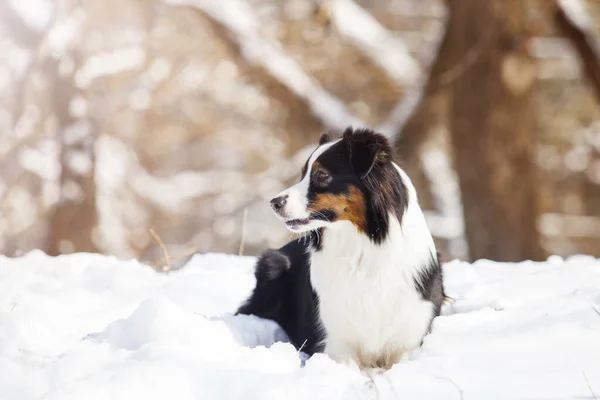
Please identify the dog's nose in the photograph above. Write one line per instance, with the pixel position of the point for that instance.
(278, 202)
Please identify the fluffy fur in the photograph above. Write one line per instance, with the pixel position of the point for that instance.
(283, 293)
(366, 286)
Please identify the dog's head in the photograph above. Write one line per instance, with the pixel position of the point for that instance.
(350, 178)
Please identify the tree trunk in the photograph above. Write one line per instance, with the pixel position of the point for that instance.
(493, 128)
(75, 216)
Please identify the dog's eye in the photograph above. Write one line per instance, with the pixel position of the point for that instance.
(322, 176)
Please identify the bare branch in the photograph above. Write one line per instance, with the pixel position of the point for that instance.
(375, 41)
(400, 114)
(570, 18)
(239, 19)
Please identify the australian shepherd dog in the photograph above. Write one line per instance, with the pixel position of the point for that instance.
(364, 283)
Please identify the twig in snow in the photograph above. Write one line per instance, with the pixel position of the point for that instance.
(370, 383)
(163, 248)
(244, 228)
(595, 308)
(589, 385)
(200, 314)
(374, 386)
(177, 256)
(392, 387)
(450, 381)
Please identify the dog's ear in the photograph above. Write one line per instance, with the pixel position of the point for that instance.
(326, 137)
(367, 150)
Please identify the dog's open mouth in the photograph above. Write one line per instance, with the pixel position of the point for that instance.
(295, 223)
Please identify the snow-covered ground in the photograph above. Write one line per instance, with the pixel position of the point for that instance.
(91, 327)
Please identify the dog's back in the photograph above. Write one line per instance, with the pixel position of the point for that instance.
(283, 293)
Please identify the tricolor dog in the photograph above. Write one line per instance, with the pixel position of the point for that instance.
(365, 283)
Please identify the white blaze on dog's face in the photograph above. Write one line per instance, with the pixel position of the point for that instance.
(337, 179)
(293, 205)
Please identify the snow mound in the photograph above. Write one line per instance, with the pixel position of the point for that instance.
(93, 327)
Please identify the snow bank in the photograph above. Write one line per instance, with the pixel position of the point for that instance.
(92, 327)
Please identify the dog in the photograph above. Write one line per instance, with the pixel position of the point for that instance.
(364, 283)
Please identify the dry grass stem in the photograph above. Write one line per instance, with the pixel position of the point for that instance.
(163, 248)
(244, 229)
(183, 254)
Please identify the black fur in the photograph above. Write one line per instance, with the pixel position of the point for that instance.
(326, 138)
(315, 239)
(284, 294)
(430, 284)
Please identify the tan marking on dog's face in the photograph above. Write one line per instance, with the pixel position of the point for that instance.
(349, 206)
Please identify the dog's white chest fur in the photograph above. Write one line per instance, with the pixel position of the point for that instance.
(369, 307)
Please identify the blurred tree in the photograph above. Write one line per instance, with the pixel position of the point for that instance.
(75, 216)
(491, 122)
(492, 126)
(27, 38)
(184, 135)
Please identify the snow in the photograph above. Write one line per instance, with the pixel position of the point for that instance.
(20, 208)
(42, 160)
(91, 326)
(385, 49)
(65, 31)
(400, 114)
(110, 63)
(5, 78)
(173, 192)
(576, 11)
(159, 70)
(36, 13)
(79, 162)
(449, 221)
(574, 226)
(578, 158)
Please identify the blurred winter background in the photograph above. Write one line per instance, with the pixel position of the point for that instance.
(119, 118)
